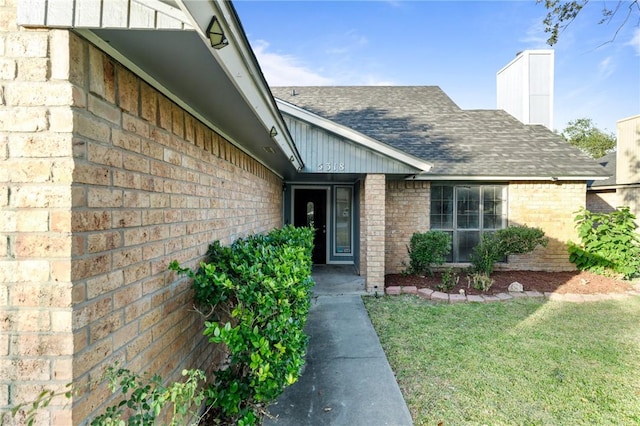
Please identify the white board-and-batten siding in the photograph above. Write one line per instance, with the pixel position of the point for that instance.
(134, 14)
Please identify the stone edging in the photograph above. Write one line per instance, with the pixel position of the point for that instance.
(438, 296)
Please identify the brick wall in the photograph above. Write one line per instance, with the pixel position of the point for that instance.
(36, 171)
(374, 230)
(407, 206)
(552, 207)
(104, 181)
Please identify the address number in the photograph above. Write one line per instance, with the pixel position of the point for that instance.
(331, 167)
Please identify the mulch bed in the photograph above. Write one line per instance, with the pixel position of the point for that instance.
(574, 282)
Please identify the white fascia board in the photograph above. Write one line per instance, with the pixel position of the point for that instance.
(352, 135)
(503, 178)
(241, 66)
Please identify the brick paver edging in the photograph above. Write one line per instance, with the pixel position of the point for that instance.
(438, 296)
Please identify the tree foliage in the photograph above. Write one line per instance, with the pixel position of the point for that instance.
(583, 134)
(561, 13)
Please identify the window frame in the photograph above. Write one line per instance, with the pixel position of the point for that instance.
(350, 224)
(455, 231)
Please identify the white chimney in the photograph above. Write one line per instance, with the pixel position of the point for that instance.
(525, 87)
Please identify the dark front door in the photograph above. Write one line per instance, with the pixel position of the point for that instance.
(310, 209)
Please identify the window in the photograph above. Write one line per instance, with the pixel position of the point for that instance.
(466, 212)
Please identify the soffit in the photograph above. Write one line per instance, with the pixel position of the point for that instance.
(163, 42)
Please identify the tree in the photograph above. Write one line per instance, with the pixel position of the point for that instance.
(561, 13)
(583, 134)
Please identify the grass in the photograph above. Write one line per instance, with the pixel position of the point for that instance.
(522, 362)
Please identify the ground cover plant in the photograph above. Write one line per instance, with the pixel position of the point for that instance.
(519, 362)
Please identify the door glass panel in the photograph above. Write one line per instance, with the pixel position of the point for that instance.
(343, 213)
(310, 214)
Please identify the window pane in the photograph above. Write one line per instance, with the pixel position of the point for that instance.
(441, 207)
(466, 240)
(468, 207)
(343, 221)
(494, 207)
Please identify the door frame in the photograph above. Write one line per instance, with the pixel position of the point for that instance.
(328, 207)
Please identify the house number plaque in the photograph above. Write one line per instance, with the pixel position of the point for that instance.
(331, 167)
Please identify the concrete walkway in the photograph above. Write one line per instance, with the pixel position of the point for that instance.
(347, 379)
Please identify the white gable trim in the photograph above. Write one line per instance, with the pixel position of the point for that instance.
(352, 135)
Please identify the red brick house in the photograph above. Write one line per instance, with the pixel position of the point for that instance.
(131, 137)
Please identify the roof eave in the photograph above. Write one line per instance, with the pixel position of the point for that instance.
(242, 67)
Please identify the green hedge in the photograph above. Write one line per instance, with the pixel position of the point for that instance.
(259, 288)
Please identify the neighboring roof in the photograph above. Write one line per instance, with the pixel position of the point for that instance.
(424, 122)
(609, 164)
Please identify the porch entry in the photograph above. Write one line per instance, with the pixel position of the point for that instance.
(330, 210)
(310, 209)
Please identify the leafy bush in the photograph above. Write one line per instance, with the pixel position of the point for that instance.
(449, 280)
(426, 250)
(505, 242)
(260, 289)
(147, 397)
(610, 244)
(143, 397)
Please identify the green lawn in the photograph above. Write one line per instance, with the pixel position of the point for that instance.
(521, 362)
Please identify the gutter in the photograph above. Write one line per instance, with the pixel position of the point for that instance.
(502, 178)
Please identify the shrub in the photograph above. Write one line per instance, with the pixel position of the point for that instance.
(609, 243)
(259, 288)
(480, 281)
(505, 242)
(449, 280)
(426, 250)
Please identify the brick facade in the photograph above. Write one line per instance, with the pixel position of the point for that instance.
(551, 207)
(373, 230)
(407, 206)
(103, 182)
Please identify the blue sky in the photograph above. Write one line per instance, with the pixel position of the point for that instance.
(457, 45)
